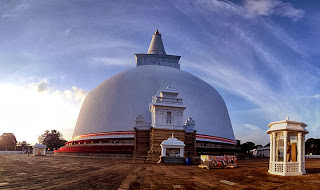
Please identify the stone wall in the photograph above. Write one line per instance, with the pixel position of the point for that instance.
(190, 142)
(141, 144)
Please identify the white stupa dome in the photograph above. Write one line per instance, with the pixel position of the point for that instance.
(114, 104)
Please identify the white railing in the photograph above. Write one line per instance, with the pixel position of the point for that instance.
(271, 165)
(292, 167)
(279, 167)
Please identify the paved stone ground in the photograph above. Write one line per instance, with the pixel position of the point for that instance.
(59, 172)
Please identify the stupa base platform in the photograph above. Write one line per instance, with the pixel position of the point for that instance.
(97, 150)
(171, 160)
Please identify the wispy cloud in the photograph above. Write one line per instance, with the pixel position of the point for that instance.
(263, 69)
(317, 96)
(247, 85)
(41, 86)
(67, 32)
(248, 132)
(16, 9)
(255, 8)
(254, 128)
(75, 93)
(254, 51)
(216, 5)
(108, 61)
(284, 37)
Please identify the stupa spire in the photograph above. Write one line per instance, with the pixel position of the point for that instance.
(156, 45)
(157, 55)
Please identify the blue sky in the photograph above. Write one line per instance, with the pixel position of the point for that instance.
(262, 57)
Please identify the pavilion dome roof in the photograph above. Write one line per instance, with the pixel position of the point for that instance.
(287, 125)
(39, 146)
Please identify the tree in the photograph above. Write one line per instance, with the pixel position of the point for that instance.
(313, 146)
(8, 141)
(238, 142)
(246, 147)
(52, 139)
(23, 145)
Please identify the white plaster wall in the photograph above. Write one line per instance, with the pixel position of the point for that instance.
(114, 104)
(160, 115)
(11, 152)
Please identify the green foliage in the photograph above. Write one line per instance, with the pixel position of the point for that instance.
(53, 139)
(8, 141)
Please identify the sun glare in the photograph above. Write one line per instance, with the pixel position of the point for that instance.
(28, 112)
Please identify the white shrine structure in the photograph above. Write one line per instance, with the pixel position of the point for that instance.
(39, 150)
(287, 147)
(167, 110)
(172, 147)
(167, 117)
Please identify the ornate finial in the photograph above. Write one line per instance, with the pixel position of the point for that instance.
(156, 45)
(287, 117)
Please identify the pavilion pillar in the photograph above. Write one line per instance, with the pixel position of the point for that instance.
(303, 154)
(274, 147)
(304, 149)
(271, 152)
(300, 150)
(181, 152)
(163, 151)
(285, 139)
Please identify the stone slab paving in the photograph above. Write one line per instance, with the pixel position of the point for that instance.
(228, 182)
(60, 172)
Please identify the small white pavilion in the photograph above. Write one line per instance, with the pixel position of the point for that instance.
(287, 147)
(172, 147)
(39, 150)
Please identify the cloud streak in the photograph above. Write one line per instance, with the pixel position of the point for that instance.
(109, 61)
(15, 10)
(262, 69)
(255, 8)
(248, 132)
(254, 53)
